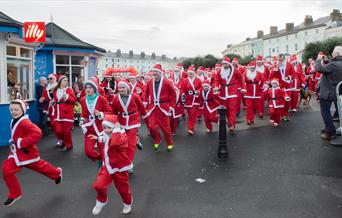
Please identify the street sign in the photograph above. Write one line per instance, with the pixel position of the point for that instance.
(34, 31)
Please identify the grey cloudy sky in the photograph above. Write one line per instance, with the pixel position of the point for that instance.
(174, 28)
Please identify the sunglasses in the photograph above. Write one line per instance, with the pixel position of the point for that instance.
(50, 78)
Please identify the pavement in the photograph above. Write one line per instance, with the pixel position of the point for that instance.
(271, 172)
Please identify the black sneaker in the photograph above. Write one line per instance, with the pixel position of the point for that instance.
(66, 149)
(11, 201)
(139, 145)
(60, 178)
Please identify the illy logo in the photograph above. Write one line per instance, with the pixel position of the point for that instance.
(34, 31)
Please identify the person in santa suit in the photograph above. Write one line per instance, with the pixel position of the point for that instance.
(200, 75)
(310, 75)
(94, 107)
(128, 106)
(190, 89)
(178, 111)
(137, 85)
(276, 101)
(96, 80)
(64, 100)
(298, 82)
(24, 152)
(228, 80)
(178, 73)
(160, 97)
(108, 85)
(265, 72)
(116, 163)
(235, 63)
(210, 102)
(254, 81)
(284, 72)
(47, 97)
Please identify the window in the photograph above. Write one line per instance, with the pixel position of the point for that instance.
(19, 72)
(306, 33)
(287, 37)
(278, 49)
(296, 35)
(317, 30)
(296, 47)
(71, 66)
(287, 48)
(269, 41)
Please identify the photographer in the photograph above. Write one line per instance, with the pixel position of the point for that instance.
(331, 76)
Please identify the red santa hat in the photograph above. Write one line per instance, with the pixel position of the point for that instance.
(259, 58)
(54, 75)
(200, 69)
(218, 65)
(125, 83)
(108, 72)
(158, 68)
(275, 59)
(275, 80)
(191, 69)
(251, 64)
(235, 60)
(320, 53)
(206, 83)
(293, 58)
(23, 104)
(95, 79)
(179, 66)
(226, 60)
(91, 84)
(61, 77)
(268, 64)
(110, 120)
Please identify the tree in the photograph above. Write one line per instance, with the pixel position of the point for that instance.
(153, 56)
(142, 55)
(130, 54)
(311, 50)
(118, 53)
(206, 61)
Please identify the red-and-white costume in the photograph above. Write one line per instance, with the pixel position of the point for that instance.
(178, 111)
(298, 82)
(48, 98)
(138, 88)
(310, 74)
(24, 153)
(240, 99)
(264, 69)
(159, 103)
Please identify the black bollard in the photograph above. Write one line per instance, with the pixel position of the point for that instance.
(222, 152)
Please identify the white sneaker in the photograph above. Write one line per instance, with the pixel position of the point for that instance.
(127, 208)
(98, 207)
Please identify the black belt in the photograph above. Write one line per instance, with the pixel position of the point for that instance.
(129, 113)
(252, 82)
(276, 98)
(208, 100)
(227, 85)
(160, 102)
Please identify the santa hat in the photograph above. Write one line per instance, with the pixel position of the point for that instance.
(61, 77)
(125, 83)
(259, 58)
(157, 68)
(320, 53)
(217, 65)
(95, 79)
(110, 120)
(251, 64)
(293, 58)
(108, 73)
(226, 60)
(179, 66)
(275, 80)
(235, 60)
(53, 75)
(23, 104)
(200, 69)
(275, 59)
(268, 64)
(191, 69)
(148, 75)
(206, 83)
(91, 84)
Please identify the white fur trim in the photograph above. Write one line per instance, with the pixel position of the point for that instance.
(107, 123)
(18, 143)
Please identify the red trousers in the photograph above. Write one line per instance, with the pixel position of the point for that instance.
(287, 105)
(158, 119)
(238, 102)
(173, 124)
(262, 103)
(89, 147)
(132, 135)
(63, 131)
(230, 105)
(199, 113)
(275, 114)
(104, 179)
(210, 118)
(294, 99)
(253, 106)
(192, 113)
(9, 169)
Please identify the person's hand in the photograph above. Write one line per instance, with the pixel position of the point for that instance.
(320, 57)
(92, 137)
(117, 125)
(41, 100)
(96, 112)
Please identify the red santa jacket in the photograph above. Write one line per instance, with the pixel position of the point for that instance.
(24, 137)
(92, 123)
(229, 83)
(277, 97)
(139, 89)
(164, 97)
(109, 89)
(48, 98)
(64, 106)
(176, 77)
(179, 109)
(284, 76)
(129, 113)
(190, 90)
(265, 72)
(254, 82)
(209, 100)
(115, 157)
(298, 80)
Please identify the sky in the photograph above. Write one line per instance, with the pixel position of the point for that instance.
(175, 28)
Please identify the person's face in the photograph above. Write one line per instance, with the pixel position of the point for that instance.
(205, 87)
(259, 63)
(42, 82)
(108, 79)
(131, 79)
(16, 111)
(89, 90)
(281, 58)
(51, 80)
(108, 130)
(199, 73)
(177, 71)
(117, 76)
(64, 83)
(252, 69)
(235, 64)
(225, 65)
(191, 75)
(156, 75)
(122, 89)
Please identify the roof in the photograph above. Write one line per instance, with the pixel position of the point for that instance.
(7, 21)
(135, 56)
(59, 37)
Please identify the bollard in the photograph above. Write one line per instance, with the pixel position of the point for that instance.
(222, 152)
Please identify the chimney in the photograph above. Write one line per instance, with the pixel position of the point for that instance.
(273, 30)
(247, 39)
(260, 34)
(308, 20)
(335, 15)
(289, 26)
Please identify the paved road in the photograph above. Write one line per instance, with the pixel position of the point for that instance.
(283, 172)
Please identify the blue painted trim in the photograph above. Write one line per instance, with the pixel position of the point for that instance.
(67, 49)
(10, 29)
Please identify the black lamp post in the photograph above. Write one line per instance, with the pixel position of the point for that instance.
(222, 152)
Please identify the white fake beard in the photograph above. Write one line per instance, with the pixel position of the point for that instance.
(225, 73)
(251, 75)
